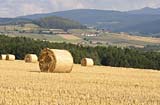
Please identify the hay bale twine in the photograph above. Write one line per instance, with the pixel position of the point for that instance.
(87, 62)
(31, 58)
(10, 57)
(3, 57)
(56, 61)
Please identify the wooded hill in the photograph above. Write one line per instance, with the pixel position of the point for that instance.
(54, 22)
(133, 21)
(46, 22)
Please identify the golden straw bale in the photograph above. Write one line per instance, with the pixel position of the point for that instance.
(87, 62)
(31, 58)
(10, 57)
(56, 61)
(3, 57)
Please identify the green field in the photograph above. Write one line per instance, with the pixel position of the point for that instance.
(118, 40)
(102, 40)
(75, 36)
(51, 38)
(121, 40)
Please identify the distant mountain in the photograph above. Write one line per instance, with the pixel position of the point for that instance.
(82, 15)
(99, 18)
(46, 22)
(152, 27)
(146, 10)
(11, 21)
(115, 21)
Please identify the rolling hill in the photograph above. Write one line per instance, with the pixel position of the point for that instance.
(11, 21)
(58, 23)
(141, 22)
(146, 10)
(46, 22)
(110, 20)
(151, 27)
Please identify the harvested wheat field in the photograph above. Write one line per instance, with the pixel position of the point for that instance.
(23, 84)
(69, 37)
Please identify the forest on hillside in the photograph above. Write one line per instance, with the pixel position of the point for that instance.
(54, 22)
(107, 56)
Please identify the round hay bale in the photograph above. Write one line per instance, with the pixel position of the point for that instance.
(31, 58)
(56, 61)
(87, 62)
(10, 57)
(3, 57)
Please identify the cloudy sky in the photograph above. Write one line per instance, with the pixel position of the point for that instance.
(13, 8)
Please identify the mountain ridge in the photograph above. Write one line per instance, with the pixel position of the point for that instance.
(115, 21)
(46, 22)
(146, 10)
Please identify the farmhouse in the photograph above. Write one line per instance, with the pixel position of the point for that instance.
(89, 34)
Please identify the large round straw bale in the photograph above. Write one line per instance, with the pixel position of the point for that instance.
(10, 57)
(56, 61)
(31, 58)
(3, 57)
(87, 62)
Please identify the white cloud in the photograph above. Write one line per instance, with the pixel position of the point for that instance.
(12, 8)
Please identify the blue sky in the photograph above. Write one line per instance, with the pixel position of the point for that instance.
(13, 8)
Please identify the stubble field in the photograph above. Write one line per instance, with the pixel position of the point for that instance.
(24, 84)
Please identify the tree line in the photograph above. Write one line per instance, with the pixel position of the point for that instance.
(107, 56)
